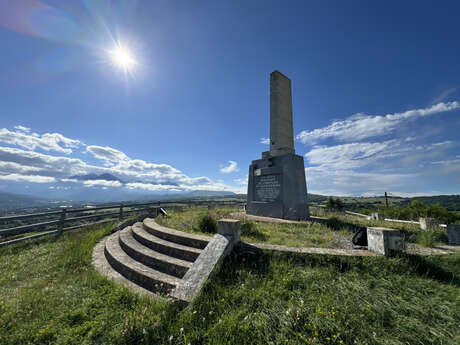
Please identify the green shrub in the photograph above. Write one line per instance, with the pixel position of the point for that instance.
(207, 224)
(250, 229)
(429, 238)
(334, 204)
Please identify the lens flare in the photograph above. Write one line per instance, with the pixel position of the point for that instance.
(123, 59)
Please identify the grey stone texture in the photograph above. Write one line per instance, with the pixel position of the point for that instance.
(220, 246)
(281, 129)
(277, 188)
(453, 234)
(230, 227)
(377, 216)
(384, 241)
(276, 185)
(429, 223)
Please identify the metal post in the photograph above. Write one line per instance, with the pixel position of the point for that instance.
(120, 216)
(61, 222)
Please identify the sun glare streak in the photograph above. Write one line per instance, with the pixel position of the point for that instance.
(122, 58)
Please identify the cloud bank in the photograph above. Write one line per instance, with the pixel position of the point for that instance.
(21, 161)
(361, 126)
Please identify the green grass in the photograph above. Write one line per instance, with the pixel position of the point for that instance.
(306, 234)
(50, 294)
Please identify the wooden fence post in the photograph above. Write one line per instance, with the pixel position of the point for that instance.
(120, 216)
(61, 222)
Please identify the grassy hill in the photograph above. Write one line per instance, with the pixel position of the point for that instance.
(49, 293)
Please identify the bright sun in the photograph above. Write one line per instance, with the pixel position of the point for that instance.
(123, 59)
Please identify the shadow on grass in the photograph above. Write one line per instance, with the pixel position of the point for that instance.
(428, 267)
(249, 229)
(258, 261)
(337, 224)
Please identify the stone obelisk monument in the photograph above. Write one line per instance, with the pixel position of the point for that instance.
(277, 186)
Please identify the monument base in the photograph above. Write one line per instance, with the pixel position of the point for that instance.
(277, 187)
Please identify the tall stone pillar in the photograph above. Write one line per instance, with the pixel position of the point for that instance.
(277, 186)
(281, 130)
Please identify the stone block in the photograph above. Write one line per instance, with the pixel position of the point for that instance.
(453, 234)
(230, 227)
(428, 223)
(212, 256)
(377, 216)
(277, 188)
(384, 241)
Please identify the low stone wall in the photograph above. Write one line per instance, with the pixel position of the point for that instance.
(453, 234)
(384, 241)
(429, 223)
(220, 246)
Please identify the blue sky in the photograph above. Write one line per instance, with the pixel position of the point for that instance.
(376, 93)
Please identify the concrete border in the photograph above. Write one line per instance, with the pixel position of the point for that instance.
(209, 260)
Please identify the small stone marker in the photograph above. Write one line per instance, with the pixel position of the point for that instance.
(377, 216)
(229, 227)
(384, 241)
(453, 234)
(428, 223)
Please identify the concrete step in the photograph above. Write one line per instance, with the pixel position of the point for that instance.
(164, 246)
(151, 258)
(179, 237)
(101, 264)
(143, 275)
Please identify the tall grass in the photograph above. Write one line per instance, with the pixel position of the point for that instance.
(50, 294)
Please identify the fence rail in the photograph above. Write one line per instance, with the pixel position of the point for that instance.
(62, 217)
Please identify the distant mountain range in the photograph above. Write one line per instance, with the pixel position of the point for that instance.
(79, 192)
(13, 201)
(88, 177)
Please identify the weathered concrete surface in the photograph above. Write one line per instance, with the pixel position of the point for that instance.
(101, 265)
(251, 217)
(276, 183)
(428, 223)
(211, 257)
(377, 216)
(229, 227)
(277, 188)
(281, 129)
(384, 241)
(179, 237)
(306, 250)
(453, 234)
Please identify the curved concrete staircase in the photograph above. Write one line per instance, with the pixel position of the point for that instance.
(148, 257)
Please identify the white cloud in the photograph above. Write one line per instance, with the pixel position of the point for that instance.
(241, 181)
(101, 183)
(152, 187)
(27, 178)
(361, 126)
(372, 168)
(321, 180)
(11, 167)
(48, 141)
(230, 168)
(22, 129)
(107, 153)
(353, 155)
(265, 141)
(16, 163)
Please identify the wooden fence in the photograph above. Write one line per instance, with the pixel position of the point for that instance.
(49, 223)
